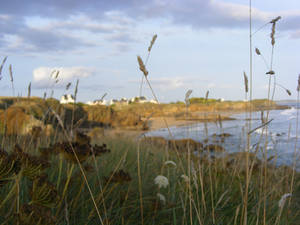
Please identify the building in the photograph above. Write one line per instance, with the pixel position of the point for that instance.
(66, 99)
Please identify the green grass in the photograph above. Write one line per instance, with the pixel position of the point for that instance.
(214, 193)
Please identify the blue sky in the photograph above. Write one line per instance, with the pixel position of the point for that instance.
(202, 45)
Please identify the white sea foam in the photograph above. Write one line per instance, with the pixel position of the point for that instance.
(288, 112)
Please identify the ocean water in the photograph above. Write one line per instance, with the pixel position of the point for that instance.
(279, 137)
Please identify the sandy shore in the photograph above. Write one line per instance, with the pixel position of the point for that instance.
(156, 123)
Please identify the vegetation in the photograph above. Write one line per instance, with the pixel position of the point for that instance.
(45, 186)
(52, 172)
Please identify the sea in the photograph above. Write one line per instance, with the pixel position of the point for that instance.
(279, 137)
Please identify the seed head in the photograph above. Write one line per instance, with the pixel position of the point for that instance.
(10, 73)
(29, 90)
(187, 96)
(68, 85)
(206, 96)
(142, 66)
(152, 42)
(271, 72)
(298, 87)
(1, 67)
(246, 82)
(257, 51)
(275, 20)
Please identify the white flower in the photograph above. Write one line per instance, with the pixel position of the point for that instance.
(170, 163)
(282, 199)
(161, 181)
(185, 178)
(161, 197)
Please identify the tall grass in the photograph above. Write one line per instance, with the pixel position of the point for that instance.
(68, 178)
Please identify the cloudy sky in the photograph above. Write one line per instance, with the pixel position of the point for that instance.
(202, 45)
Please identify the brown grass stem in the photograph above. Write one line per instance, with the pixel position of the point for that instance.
(80, 166)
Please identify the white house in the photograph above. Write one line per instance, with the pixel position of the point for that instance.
(68, 98)
(140, 99)
(113, 102)
(153, 101)
(100, 102)
(124, 101)
(97, 102)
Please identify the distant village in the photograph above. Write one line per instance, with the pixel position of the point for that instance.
(68, 98)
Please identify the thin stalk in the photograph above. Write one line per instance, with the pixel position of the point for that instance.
(140, 183)
(69, 175)
(245, 205)
(295, 148)
(80, 166)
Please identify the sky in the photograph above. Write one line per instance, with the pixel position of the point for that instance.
(202, 45)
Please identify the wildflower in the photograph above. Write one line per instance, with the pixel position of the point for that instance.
(185, 178)
(161, 197)
(170, 163)
(282, 199)
(161, 181)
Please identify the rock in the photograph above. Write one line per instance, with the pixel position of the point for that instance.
(222, 135)
(178, 144)
(184, 144)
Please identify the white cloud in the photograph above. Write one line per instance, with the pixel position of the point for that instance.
(44, 77)
(239, 12)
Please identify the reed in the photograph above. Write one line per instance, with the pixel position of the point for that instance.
(132, 181)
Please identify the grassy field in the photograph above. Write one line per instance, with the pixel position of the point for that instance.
(43, 184)
(57, 166)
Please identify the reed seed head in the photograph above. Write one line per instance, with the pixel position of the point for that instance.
(206, 96)
(142, 66)
(298, 86)
(29, 90)
(76, 89)
(271, 72)
(1, 67)
(272, 35)
(276, 19)
(246, 82)
(68, 85)
(152, 42)
(10, 73)
(257, 51)
(56, 75)
(187, 97)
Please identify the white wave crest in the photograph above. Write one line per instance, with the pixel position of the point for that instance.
(288, 112)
